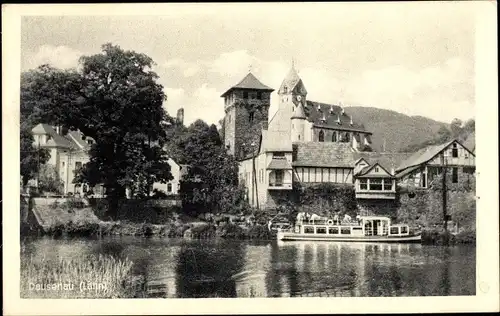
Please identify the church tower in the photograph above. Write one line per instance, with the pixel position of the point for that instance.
(291, 109)
(246, 107)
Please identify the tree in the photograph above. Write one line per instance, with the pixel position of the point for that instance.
(116, 100)
(456, 128)
(31, 158)
(212, 180)
(469, 126)
(50, 180)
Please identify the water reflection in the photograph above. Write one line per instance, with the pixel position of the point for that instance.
(181, 268)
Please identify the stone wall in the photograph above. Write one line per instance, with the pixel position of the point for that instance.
(415, 206)
(244, 127)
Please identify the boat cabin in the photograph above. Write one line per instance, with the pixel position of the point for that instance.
(366, 226)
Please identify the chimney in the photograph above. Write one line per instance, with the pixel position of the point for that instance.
(351, 121)
(338, 119)
(180, 116)
(331, 109)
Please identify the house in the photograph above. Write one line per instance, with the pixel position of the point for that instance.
(172, 187)
(421, 169)
(69, 151)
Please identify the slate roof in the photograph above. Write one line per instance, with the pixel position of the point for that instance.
(291, 81)
(363, 172)
(71, 140)
(249, 82)
(323, 154)
(279, 163)
(423, 155)
(386, 160)
(331, 113)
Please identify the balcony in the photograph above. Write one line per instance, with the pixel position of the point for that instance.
(372, 194)
(279, 185)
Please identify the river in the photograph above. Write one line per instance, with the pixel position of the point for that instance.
(227, 268)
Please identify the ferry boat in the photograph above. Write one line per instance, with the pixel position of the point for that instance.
(366, 229)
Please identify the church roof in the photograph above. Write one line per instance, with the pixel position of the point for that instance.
(332, 113)
(291, 80)
(249, 82)
(323, 154)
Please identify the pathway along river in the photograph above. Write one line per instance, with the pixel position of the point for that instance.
(222, 268)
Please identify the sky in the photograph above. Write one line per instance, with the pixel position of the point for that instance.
(414, 58)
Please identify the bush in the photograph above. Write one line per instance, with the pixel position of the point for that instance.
(437, 236)
(259, 232)
(203, 231)
(466, 237)
(230, 231)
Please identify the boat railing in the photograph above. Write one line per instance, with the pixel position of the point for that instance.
(329, 222)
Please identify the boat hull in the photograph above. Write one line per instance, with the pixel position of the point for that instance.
(284, 236)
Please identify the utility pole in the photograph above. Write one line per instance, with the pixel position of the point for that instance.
(445, 213)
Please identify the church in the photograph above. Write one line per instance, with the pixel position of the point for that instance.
(305, 141)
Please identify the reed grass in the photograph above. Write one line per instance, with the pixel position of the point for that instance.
(101, 276)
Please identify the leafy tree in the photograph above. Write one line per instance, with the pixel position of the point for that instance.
(31, 158)
(212, 180)
(469, 126)
(115, 99)
(50, 180)
(456, 127)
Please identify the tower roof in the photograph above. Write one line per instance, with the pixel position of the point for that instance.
(291, 80)
(249, 82)
(299, 112)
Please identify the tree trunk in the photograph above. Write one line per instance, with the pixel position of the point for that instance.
(115, 194)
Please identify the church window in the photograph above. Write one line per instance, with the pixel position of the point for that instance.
(299, 137)
(334, 136)
(285, 89)
(251, 117)
(245, 95)
(321, 136)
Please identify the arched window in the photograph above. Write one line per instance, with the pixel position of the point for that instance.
(334, 136)
(321, 136)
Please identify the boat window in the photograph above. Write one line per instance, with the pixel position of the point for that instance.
(345, 230)
(394, 230)
(333, 230)
(308, 230)
(320, 230)
(404, 230)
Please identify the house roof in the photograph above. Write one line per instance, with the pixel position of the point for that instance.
(323, 154)
(279, 163)
(72, 139)
(249, 82)
(364, 172)
(42, 129)
(386, 160)
(299, 112)
(275, 140)
(406, 171)
(423, 155)
(315, 111)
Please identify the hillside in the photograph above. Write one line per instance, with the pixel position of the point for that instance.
(398, 130)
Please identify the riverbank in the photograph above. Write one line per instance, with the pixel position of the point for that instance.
(90, 277)
(438, 236)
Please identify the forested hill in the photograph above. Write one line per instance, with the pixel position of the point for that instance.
(405, 133)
